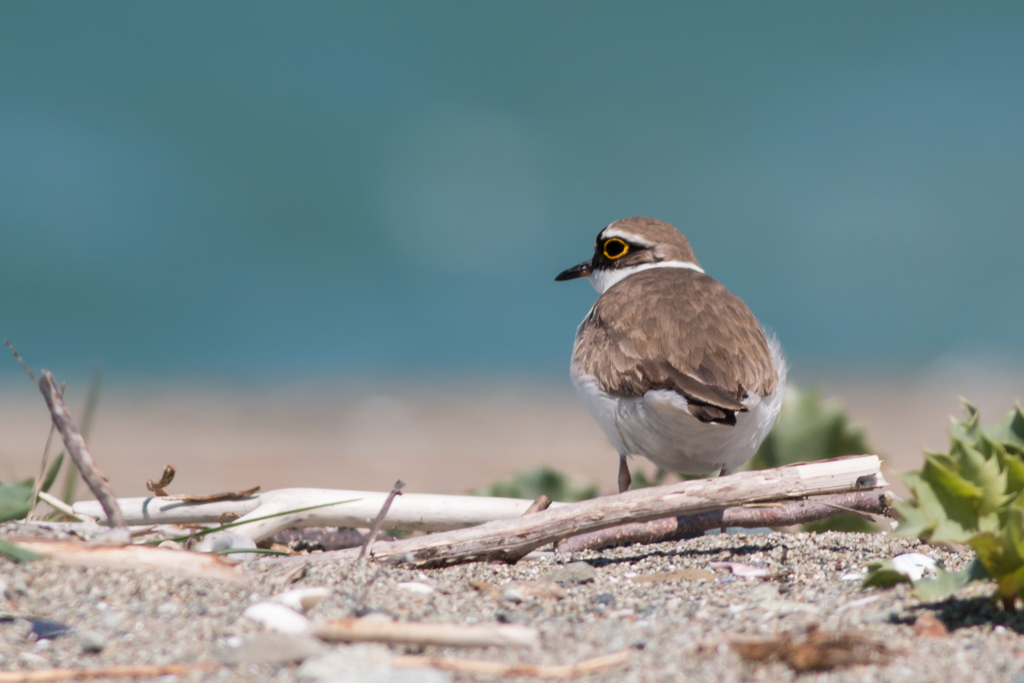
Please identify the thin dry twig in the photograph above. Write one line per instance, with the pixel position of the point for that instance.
(62, 507)
(22, 362)
(130, 671)
(477, 666)
(784, 514)
(158, 487)
(454, 635)
(215, 497)
(542, 503)
(76, 448)
(396, 490)
(38, 485)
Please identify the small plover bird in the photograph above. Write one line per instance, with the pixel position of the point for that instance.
(671, 364)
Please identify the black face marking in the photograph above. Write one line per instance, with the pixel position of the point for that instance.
(617, 252)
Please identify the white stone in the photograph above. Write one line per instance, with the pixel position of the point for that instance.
(416, 587)
(227, 540)
(278, 618)
(302, 599)
(33, 660)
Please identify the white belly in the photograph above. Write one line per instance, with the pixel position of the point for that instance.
(659, 426)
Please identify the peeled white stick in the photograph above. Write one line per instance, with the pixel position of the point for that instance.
(409, 512)
(456, 635)
(60, 506)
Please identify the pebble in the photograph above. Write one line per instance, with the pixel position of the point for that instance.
(168, 608)
(415, 587)
(677, 575)
(278, 618)
(274, 648)
(532, 590)
(45, 629)
(33, 660)
(111, 620)
(364, 663)
(740, 569)
(228, 540)
(92, 643)
(929, 625)
(572, 573)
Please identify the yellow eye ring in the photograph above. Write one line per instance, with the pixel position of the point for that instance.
(618, 248)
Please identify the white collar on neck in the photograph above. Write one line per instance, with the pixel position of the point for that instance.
(603, 279)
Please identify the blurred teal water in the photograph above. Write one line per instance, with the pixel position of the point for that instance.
(367, 189)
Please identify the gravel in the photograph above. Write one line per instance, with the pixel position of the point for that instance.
(675, 622)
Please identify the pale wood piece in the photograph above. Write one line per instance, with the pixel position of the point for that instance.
(108, 672)
(74, 443)
(182, 562)
(477, 666)
(453, 635)
(60, 506)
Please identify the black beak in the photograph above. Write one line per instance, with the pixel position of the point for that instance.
(581, 270)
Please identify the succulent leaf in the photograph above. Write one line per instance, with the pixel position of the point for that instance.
(973, 494)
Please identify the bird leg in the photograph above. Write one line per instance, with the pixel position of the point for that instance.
(725, 472)
(624, 479)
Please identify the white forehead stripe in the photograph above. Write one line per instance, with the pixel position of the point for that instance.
(603, 279)
(627, 236)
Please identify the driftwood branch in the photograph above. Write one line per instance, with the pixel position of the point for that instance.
(76, 448)
(508, 540)
(784, 514)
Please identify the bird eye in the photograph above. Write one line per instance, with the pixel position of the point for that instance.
(614, 248)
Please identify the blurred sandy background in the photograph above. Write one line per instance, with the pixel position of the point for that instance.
(447, 440)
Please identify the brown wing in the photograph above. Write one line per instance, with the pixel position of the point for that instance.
(674, 328)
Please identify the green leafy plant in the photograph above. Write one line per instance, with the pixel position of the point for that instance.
(808, 428)
(972, 494)
(531, 483)
(14, 498)
(812, 428)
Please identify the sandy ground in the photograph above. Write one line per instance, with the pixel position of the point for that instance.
(669, 606)
(441, 440)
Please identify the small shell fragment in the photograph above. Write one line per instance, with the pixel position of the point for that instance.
(302, 599)
(914, 565)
